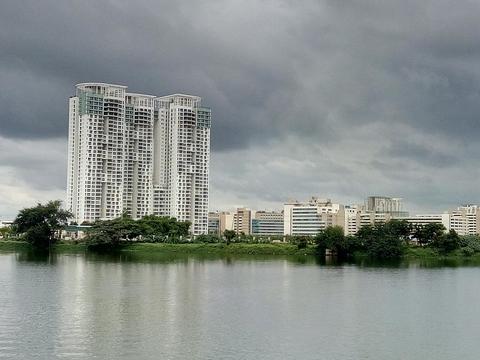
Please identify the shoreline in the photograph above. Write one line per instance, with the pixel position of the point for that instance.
(274, 249)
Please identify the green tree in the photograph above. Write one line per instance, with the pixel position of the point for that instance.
(300, 241)
(399, 228)
(5, 232)
(429, 233)
(229, 235)
(41, 224)
(164, 226)
(383, 240)
(331, 238)
(111, 233)
(447, 242)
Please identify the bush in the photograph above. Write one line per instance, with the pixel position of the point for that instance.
(447, 242)
(302, 243)
(468, 251)
(471, 242)
(210, 239)
(332, 238)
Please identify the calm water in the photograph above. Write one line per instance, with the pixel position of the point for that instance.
(84, 307)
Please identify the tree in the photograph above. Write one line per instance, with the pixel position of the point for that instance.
(229, 235)
(164, 226)
(110, 233)
(300, 241)
(383, 240)
(113, 233)
(5, 231)
(41, 224)
(429, 233)
(447, 242)
(331, 238)
(399, 228)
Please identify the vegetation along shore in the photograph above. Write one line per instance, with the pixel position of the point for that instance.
(40, 228)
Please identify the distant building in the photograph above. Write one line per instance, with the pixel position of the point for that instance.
(74, 232)
(242, 221)
(308, 218)
(387, 205)
(424, 219)
(225, 221)
(214, 223)
(6, 223)
(377, 209)
(465, 220)
(267, 223)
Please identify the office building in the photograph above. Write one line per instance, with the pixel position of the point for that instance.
(242, 221)
(214, 223)
(387, 205)
(465, 220)
(267, 223)
(308, 218)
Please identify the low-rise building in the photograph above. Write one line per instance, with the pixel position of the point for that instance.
(267, 223)
(74, 232)
(424, 219)
(6, 223)
(308, 218)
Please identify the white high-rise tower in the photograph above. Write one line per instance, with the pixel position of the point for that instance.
(138, 154)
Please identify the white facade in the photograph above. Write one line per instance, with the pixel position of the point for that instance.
(424, 219)
(352, 219)
(137, 154)
(465, 220)
(6, 223)
(308, 218)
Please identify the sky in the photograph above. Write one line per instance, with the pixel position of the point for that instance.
(337, 99)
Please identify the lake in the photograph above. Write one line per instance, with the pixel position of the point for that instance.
(131, 306)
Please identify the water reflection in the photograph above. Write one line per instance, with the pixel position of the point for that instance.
(51, 257)
(40, 256)
(177, 306)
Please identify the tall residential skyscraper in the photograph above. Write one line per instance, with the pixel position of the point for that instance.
(138, 154)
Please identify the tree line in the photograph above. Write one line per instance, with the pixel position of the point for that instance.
(387, 239)
(41, 226)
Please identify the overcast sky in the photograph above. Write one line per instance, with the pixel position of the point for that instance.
(340, 99)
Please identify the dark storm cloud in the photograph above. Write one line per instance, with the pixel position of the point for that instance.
(423, 154)
(373, 86)
(267, 68)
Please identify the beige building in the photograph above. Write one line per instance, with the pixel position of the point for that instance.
(465, 220)
(242, 221)
(225, 221)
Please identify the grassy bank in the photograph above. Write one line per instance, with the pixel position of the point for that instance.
(417, 252)
(191, 248)
(412, 252)
(222, 249)
(13, 245)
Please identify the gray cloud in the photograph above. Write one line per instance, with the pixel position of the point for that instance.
(347, 97)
